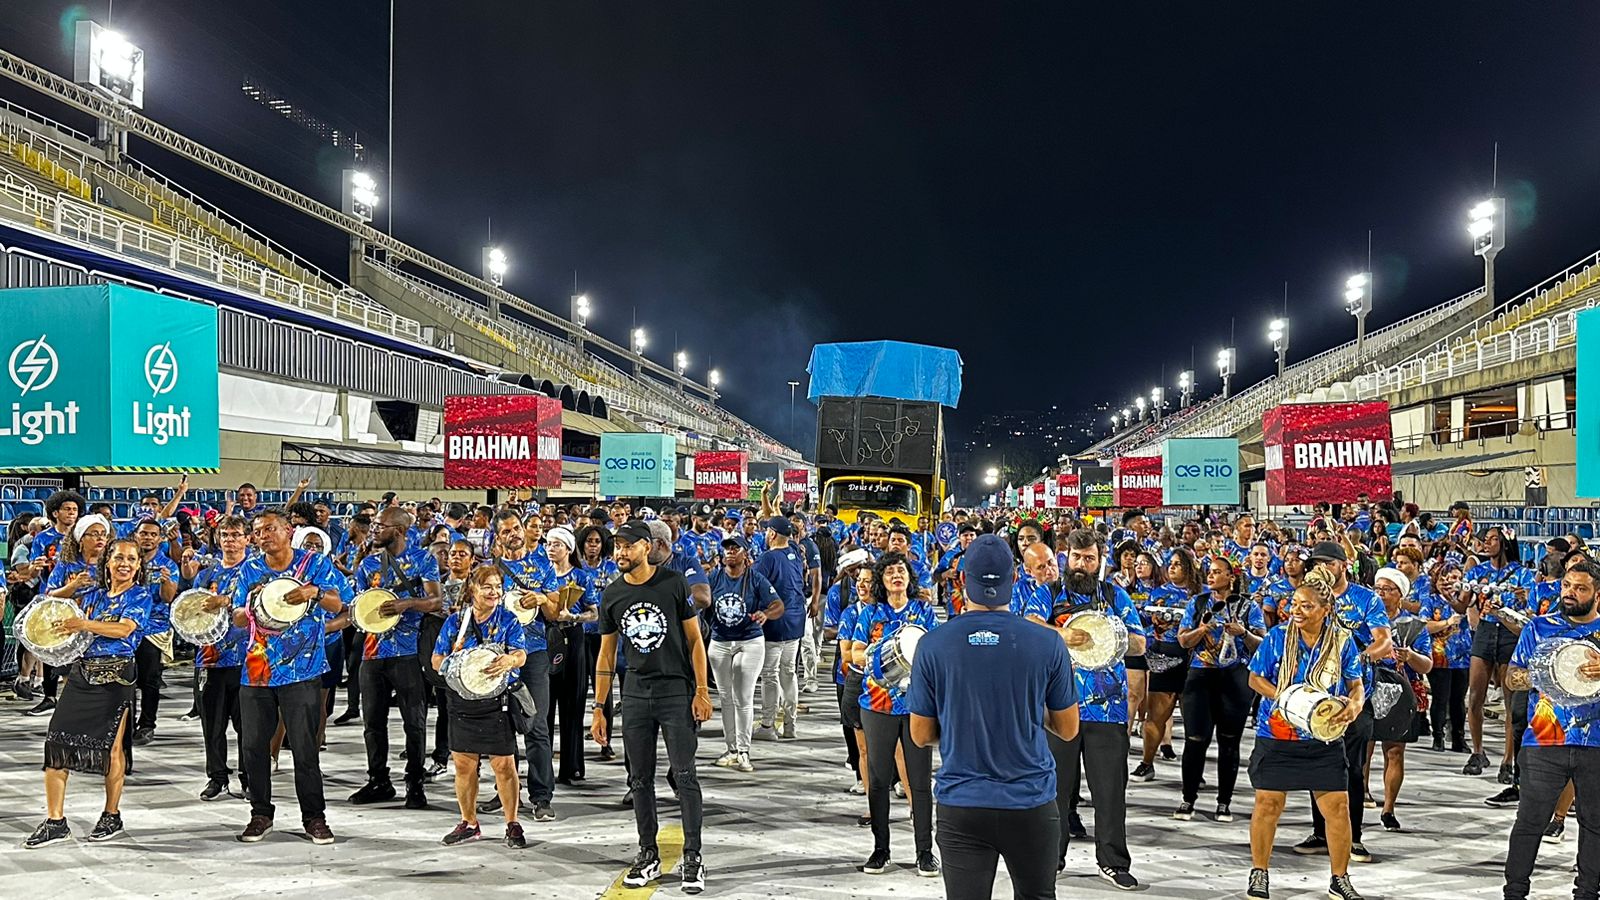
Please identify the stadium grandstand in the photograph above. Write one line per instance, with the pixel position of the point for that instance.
(341, 377)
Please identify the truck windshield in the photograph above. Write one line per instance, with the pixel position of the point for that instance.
(870, 494)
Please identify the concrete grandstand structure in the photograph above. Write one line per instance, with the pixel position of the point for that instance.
(345, 376)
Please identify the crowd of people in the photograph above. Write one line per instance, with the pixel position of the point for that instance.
(1355, 632)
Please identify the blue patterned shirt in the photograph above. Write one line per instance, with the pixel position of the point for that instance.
(406, 577)
(501, 627)
(1102, 693)
(530, 573)
(132, 604)
(229, 651)
(276, 659)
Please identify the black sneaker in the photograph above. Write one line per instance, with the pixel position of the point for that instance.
(1312, 845)
(23, 689)
(50, 831)
(877, 863)
(864, 822)
(1167, 754)
(1260, 884)
(514, 837)
(1120, 878)
(927, 864)
(607, 754)
(1224, 814)
(415, 798)
(433, 769)
(1144, 772)
(1555, 832)
(627, 799)
(373, 792)
(109, 826)
(143, 736)
(215, 789)
(645, 869)
(259, 827)
(1507, 774)
(1075, 826)
(1184, 812)
(1438, 743)
(1390, 823)
(1340, 888)
(693, 871)
(543, 813)
(44, 707)
(1359, 852)
(1475, 764)
(1511, 796)
(348, 716)
(490, 806)
(462, 833)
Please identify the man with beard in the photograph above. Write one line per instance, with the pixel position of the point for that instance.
(1101, 746)
(1562, 742)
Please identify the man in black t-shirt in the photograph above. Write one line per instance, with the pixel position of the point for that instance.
(665, 693)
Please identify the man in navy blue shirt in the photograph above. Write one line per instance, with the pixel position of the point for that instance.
(783, 566)
(985, 687)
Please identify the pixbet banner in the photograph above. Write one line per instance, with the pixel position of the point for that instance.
(1066, 491)
(1200, 471)
(1096, 487)
(1138, 481)
(721, 474)
(105, 378)
(638, 465)
(796, 485)
(501, 441)
(1327, 451)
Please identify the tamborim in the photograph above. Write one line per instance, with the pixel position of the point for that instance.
(1108, 640)
(1553, 668)
(894, 654)
(271, 611)
(513, 602)
(465, 672)
(196, 624)
(1312, 711)
(367, 615)
(37, 631)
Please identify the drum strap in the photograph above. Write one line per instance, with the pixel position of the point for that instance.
(396, 578)
(515, 576)
(467, 618)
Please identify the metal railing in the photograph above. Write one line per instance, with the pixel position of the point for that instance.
(1535, 338)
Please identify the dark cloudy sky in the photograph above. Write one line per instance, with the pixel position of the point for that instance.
(1072, 195)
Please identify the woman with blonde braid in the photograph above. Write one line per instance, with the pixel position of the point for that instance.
(1309, 649)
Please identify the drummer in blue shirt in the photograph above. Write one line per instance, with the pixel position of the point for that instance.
(986, 687)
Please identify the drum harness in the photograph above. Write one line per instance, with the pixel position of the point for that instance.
(299, 574)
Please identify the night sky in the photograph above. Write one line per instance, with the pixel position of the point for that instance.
(1072, 197)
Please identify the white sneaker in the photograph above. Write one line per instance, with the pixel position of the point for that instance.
(857, 788)
(743, 763)
(727, 760)
(899, 790)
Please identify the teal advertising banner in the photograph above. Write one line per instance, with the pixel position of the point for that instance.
(1200, 471)
(638, 465)
(105, 378)
(1588, 439)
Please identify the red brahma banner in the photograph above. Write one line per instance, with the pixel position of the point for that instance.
(796, 485)
(720, 474)
(1039, 494)
(1066, 491)
(1138, 480)
(501, 441)
(1328, 451)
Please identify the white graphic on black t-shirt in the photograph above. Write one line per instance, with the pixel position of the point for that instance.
(730, 610)
(645, 626)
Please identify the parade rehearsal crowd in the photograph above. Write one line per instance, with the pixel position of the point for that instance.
(1031, 651)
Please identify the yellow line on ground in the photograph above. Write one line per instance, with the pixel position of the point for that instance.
(670, 842)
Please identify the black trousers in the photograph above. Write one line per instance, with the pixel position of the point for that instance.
(592, 644)
(642, 719)
(852, 751)
(352, 668)
(52, 680)
(148, 658)
(972, 840)
(1448, 705)
(1517, 703)
(400, 677)
(883, 732)
(300, 706)
(536, 743)
(1355, 754)
(441, 725)
(568, 690)
(1215, 702)
(1545, 773)
(219, 708)
(1101, 749)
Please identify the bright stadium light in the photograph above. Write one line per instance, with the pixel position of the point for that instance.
(1487, 226)
(714, 378)
(1225, 367)
(1127, 415)
(1115, 419)
(360, 195)
(1139, 402)
(495, 265)
(108, 62)
(1358, 302)
(1155, 401)
(580, 309)
(1185, 387)
(992, 473)
(682, 360)
(1278, 334)
(638, 341)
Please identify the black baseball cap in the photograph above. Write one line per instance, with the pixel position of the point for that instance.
(1328, 550)
(632, 530)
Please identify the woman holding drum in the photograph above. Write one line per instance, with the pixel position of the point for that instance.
(480, 652)
(90, 722)
(1168, 660)
(1413, 657)
(882, 651)
(1308, 673)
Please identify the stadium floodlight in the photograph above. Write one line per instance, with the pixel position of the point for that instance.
(1139, 403)
(1127, 415)
(360, 195)
(714, 378)
(638, 341)
(1115, 419)
(495, 265)
(1278, 334)
(1486, 223)
(1155, 401)
(682, 360)
(581, 309)
(1185, 387)
(992, 472)
(1225, 367)
(1358, 302)
(108, 62)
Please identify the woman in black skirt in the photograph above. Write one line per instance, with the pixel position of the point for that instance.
(90, 722)
(1168, 661)
(1308, 649)
(480, 728)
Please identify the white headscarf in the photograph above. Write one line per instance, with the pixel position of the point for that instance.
(563, 534)
(305, 531)
(84, 522)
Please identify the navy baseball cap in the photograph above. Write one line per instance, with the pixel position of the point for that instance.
(990, 571)
(781, 525)
(736, 540)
